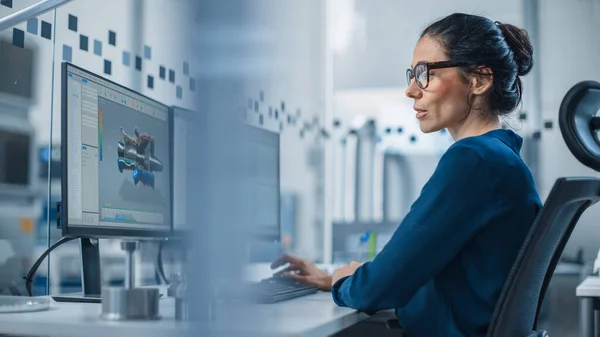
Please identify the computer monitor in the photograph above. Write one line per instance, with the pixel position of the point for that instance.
(116, 168)
(117, 155)
(261, 202)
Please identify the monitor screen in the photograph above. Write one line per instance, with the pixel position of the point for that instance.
(117, 156)
(261, 202)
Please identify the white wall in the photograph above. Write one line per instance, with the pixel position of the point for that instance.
(379, 56)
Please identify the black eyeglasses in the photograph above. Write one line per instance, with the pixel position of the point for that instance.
(421, 71)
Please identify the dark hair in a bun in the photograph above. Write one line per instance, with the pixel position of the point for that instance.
(518, 41)
(478, 41)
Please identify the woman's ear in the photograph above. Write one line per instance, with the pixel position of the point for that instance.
(482, 81)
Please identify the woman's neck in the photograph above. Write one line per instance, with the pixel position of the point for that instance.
(474, 126)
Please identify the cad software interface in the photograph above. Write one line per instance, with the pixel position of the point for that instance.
(118, 156)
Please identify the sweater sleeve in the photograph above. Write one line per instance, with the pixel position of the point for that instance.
(454, 204)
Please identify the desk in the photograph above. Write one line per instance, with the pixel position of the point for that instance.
(589, 296)
(309, 316)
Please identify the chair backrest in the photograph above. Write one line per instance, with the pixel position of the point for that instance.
(519, 304)
(518, 307)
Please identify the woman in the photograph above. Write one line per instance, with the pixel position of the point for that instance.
(445, 266)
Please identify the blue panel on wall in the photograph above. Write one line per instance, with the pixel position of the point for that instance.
(126, 58)
(46, 30)
(192, 84)
(97, 47)
(18, 38)
(83, 42)
(138, 63)
(179, 92)
(67, 53)
(7, 3)
(186, 68)
(72, 23)
(112, 38)
(32, 26)
(171, 76)
(150, 82)
(107, 67)
(147, 53)
(162, 72)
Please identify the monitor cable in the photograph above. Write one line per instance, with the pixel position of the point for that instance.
(29, 278)
(159, 262)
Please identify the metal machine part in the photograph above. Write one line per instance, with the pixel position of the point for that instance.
(178, 290)
(128, 302)
(130, 247)
(120, 304)
(365, 155)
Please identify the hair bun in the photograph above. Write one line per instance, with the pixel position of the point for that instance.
(518, 41)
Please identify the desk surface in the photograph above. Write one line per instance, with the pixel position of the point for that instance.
(590, 287)
(309, 316)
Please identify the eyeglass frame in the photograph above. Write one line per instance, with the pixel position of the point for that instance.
(429, 66)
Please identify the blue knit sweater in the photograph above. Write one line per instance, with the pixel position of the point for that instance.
(445, 265)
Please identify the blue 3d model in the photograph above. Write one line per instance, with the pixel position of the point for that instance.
(137, 154)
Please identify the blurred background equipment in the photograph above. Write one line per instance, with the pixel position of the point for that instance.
(19, 193)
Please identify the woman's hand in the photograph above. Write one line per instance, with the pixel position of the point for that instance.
(346, 270)
(303, 271)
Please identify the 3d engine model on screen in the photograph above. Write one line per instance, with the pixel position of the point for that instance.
(137, 155)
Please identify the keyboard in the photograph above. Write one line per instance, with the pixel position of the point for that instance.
(78, 298)
(277, 289)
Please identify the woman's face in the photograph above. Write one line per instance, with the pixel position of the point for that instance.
(444, 102)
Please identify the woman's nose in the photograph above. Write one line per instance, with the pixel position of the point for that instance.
(413, 90)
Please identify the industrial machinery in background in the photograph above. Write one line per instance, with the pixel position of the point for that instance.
(19, 194)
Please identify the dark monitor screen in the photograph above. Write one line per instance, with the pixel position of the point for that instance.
(14, 158)
(116, 151)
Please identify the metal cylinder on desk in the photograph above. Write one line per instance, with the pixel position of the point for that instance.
(128, 302)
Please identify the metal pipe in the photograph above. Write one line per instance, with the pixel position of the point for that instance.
(30, 12)
(129, 271)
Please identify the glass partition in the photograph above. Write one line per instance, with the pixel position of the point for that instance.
(142, 45)
(26, 56)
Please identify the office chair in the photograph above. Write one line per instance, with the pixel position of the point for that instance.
(516, 313)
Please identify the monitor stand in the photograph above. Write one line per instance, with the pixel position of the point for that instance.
(91, 279)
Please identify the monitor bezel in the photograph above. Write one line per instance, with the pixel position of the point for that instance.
(103, 232)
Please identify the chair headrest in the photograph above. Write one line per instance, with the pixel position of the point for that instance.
(579, 123)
